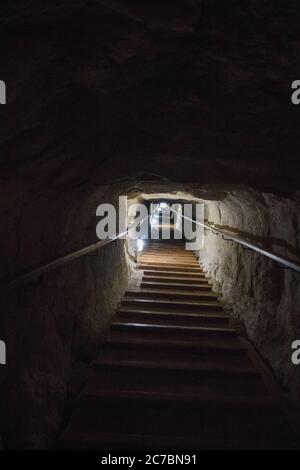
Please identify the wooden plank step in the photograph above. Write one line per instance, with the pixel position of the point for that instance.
(171, 260)
(167, 251)
(190, 419)
(180, 330)
(165, 255)
(145, 354)
(171, 294)
(164, 273)
(218, 317)
(172, 264)
(177, 380)
(201, 347)
(168, 257)
(178, 250)
(175, 305)
(173, 335)
(172, 319)
(173, 249)
(162, 249)
(181, 269)
(179, 280)
(99, 396)
(204, 367)
(145, 284)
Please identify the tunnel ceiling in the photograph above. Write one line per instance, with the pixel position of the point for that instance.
(194, 91)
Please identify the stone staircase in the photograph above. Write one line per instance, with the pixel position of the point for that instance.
(173, 373)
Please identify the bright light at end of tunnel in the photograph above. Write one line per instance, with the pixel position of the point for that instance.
(140, 245)
(163, 205)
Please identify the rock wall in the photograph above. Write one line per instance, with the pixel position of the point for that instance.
(53, 327)
(263, 295)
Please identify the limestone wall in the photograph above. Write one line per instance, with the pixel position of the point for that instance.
(263, 295)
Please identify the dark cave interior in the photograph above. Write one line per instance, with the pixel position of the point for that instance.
(180, 99)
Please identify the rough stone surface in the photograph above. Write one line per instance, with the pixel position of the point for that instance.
(53, 327)
(263, 295)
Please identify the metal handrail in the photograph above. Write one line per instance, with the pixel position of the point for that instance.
(32, 274)
(278, 258)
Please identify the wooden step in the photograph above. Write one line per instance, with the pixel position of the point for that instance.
(178, 250)
(168, 256)
(177, 330)
(228, 353)
(145, 284)
(179, 381)
(164, 268)
(202, 347)
(193, 419)
(163, 260)
(167, 261)
(140, 398)
(170, 295)
(145, 354)
(164, 318)
(206, 366)
(172, 264)
(165, 257)
(165, 252)
(172, 261)
(164, 273)
(175, 280)
(175, 335)
(175, 305)
(168, 253)
(186, 317)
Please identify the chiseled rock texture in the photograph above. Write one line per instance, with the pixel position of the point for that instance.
(263, 295)
(53, 327)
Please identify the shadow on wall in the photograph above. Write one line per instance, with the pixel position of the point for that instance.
(53, 327)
